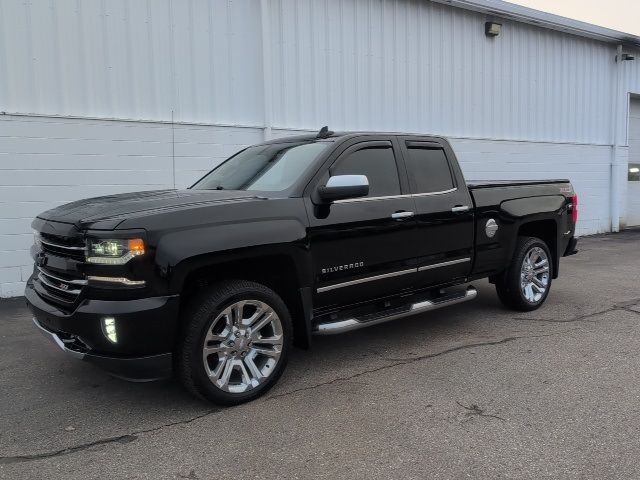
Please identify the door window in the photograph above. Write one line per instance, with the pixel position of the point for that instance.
(428, 170)
(378, 164)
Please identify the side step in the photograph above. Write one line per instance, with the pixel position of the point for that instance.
(346, 325)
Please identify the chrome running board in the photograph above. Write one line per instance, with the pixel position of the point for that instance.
(346, 325)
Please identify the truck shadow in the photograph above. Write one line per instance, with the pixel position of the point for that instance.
(341, 356)
(328, 354)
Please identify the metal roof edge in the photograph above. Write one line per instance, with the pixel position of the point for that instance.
(519, 13)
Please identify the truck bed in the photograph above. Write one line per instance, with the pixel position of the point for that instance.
(474, 184)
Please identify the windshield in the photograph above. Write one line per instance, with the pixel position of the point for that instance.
(268, 168)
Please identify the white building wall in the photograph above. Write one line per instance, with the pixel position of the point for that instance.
(414, 65)
(89, 89)
(141, 59)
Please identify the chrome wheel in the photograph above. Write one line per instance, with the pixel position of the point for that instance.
(242, 346)
(534, 275)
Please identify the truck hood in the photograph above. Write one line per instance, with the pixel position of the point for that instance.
(109, 211)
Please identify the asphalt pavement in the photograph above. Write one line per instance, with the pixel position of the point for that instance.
(472, 391)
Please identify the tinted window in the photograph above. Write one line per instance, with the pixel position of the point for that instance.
(378, 164)
(428, 170)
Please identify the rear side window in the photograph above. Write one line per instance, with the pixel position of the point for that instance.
(378, 164)
(428, 170)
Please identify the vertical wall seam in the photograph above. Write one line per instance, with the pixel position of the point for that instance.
(615, 212)
(266, 68)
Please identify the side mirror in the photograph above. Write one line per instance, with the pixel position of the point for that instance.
(341, 187)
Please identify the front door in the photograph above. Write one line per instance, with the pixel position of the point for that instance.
(364, 248)
(444, 211)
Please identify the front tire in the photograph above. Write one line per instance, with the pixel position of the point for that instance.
(235, 343)
(526, 283)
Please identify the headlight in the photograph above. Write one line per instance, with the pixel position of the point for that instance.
(114, 252)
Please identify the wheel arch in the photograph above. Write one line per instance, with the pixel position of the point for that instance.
(546, 230)
(279, 271)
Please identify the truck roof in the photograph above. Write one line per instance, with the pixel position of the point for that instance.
(314, 136)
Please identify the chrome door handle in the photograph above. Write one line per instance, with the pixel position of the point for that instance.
(460, 208)
(401, 215)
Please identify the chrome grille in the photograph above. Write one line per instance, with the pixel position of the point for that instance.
(62, 247)
(57, 280)
(61, 288)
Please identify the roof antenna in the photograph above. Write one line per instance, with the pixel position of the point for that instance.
(324, 132)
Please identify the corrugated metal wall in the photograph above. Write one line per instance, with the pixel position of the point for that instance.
(420, 66)
(128, 59)
(530, 103)
(409, 65)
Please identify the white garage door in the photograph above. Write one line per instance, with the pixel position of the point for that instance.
(633, 187)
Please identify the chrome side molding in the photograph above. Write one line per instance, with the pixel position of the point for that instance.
(392, 274)
(349, 324)
(364, 280)
(444, 264)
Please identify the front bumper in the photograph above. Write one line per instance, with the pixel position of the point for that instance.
(146, 330)
(140, 369)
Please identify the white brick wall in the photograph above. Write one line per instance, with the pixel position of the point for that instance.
(48, 161)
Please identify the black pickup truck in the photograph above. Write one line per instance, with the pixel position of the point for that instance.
(301, 236)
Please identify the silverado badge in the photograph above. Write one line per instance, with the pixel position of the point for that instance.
(347, 266)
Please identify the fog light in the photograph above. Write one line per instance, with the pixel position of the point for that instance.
(109, 329)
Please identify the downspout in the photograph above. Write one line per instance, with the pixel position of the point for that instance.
(267, 91)
(615, 145)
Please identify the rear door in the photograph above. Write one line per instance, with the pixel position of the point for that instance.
(444, 211)
(364, 248)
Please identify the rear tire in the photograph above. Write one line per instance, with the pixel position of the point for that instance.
(235, 342)
(527, 282)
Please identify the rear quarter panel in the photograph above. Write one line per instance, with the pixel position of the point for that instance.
(512, 207)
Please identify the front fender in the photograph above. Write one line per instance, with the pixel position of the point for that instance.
(180, 253)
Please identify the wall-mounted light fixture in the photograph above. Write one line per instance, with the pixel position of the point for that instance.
(626, 57)
(492, 29)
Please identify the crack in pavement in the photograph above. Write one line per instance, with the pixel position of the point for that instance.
(624, 306)
(405, 361)
(65, 451)
(579, 318)
(132, 437)
(128, 438)
(475, 410)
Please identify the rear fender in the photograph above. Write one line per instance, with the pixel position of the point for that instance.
(493, 254)
(525, 211)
